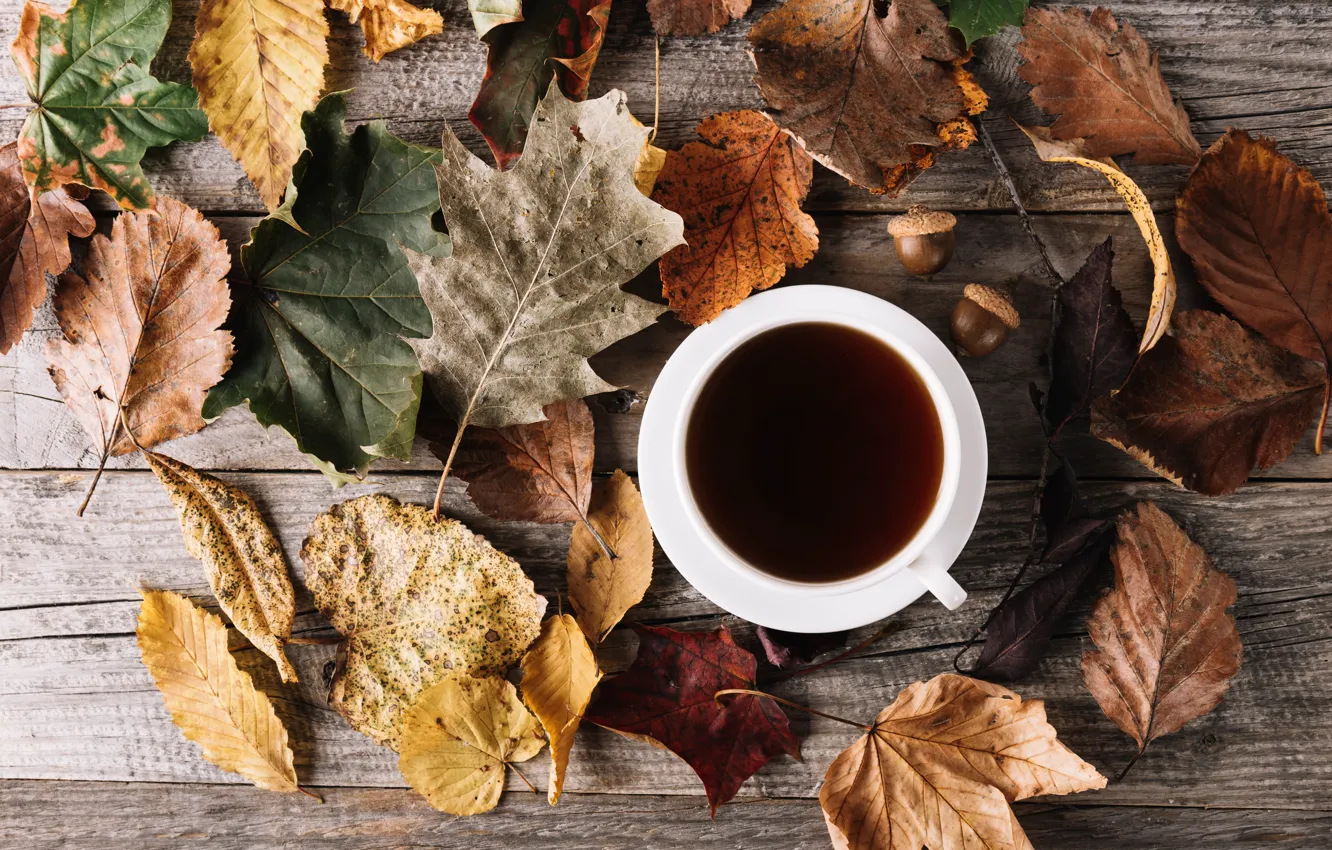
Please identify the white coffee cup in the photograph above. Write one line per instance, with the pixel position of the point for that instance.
(764, 313)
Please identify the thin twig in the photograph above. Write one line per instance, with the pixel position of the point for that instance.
(656, 105)
(864, 644)
(34, 395)
(797, 706)
(16, 106)
(1132, 762)
(1023, 218)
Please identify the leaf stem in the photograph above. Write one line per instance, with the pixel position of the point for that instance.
(864, 644)
(1129, 766)
(327, 640)
(1023, 218)
(1322, 419)
(797, 706)
(656, 104)
(448, 461)
(16, 105)
(524, 778)
(312, 795)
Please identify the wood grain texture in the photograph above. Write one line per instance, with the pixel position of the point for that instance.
(52, 815)
(75, 703)
(856, 252)
(1263, 66)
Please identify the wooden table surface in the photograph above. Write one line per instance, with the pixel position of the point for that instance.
(89, 757)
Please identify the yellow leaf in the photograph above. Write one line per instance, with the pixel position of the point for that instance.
(1163, 284)
(601, 589)
(242, 559)
(559, 674)
(258, 66)
(458, 738)
(941, 766)
(211, 699)
(415, 597)
(389, 24)
(651, 160)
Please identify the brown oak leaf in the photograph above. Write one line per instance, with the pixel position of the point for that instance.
(666, 698)
(1166, 646)
(33, 243)
(1211, 402)
(1258, 230)
(1105, 85)
(873, 97)
(142, 334)
(539, 472)
(694, 17)
(739, 192)
(940, 767)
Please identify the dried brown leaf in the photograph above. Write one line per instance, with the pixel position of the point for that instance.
(602, 589)
(559, 674)
(694, 17)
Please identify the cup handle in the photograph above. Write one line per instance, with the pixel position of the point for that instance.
(937, 581)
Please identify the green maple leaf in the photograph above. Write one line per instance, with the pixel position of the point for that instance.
(977, 19)
(98, 109)
(321, 315)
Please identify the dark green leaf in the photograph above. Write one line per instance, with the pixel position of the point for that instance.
(97, 108)
(976, 19)
(321, 317)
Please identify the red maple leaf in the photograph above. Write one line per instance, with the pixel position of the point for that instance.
(666, 698)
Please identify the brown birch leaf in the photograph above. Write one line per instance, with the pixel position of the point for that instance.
(875, 98)
(389, 25)
(1257, 228)
(1105, 85)
(1211, 403)
(213, 701)
(142, 340)
(539, 472)
(1166, 644)
(33, 243)
(414, 597)
(739, 192)
(459, 739)
(941, 765)
(244, 563)
(694, 17)
(602, 588)
(559, 674)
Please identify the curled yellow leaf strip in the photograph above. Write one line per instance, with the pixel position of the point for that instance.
(1163, 283)
(389, 24)
(458, 738)
(242, 559)
(212, 700)
(559, 675)
(602, 589)
(258, 65)
(415, 597)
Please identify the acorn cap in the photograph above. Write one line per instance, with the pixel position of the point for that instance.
(994, 302)
(919, 220)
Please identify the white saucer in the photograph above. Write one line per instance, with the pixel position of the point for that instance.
(736, 590)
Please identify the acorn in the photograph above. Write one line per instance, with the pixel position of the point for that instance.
(924, 239)
(982, 320)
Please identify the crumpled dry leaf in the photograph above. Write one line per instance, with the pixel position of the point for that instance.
(941, 766)
(694, 17)
(1095, 344)
(33, 243)
(242, 559)
(874, 98)
(602, 589)
(739, 191)
(414, 597)
(1163, 282)
(1257, 228)
(258, 65)
(1211, 403)
(559, 674)
(539, 472)
(539, 255)
(1166, 646)
(459, 738)
(1105, 85)
(667, 699)
(389, 25)
(213, 701)
(142, 341)
(791, 649)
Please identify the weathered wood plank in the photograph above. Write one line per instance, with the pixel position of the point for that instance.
(76, 703)
(38, 433)
(50, 815)
(1259, 65)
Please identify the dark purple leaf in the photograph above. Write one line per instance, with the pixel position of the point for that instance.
(1067, 524)
(792, 649)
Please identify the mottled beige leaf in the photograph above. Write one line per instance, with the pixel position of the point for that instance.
(414, 597)
(602, 589)
(559, 674)
(242, 559)
(212, 700)
(458, 739)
